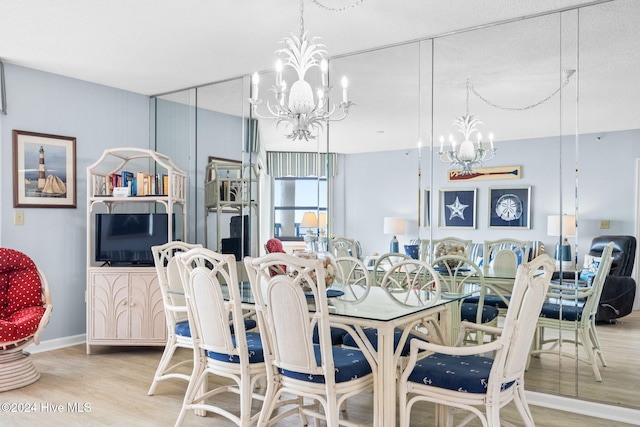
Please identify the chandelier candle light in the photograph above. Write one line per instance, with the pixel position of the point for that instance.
(298, 108)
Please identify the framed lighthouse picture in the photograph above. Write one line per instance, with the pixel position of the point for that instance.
(44, 170)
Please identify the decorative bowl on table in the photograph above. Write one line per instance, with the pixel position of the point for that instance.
(449, 249)
(329, 268)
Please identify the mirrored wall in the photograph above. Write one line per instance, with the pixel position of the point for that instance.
(556, 91)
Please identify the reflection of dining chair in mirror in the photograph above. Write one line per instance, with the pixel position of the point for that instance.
(504, 255)
(383, 264)
(463, 379)
(175, 311)
(409, 283)
(343, 246)
(324, 374)
(448, 245)
(460, 275)
(353, 278)
(573, 309)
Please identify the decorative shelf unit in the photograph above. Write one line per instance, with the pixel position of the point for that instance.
(124, 304)
(231, 189)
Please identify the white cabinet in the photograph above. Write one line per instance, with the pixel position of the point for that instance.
(124, 303)
(126, 307)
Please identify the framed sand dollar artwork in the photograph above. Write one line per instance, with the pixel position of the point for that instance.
(44, 170)
(510, 207)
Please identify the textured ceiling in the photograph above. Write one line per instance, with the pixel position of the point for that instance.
(159, 46)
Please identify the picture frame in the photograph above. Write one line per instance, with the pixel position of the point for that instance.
(427, 208)
(510, 207)
(458, 208)
(44, 170)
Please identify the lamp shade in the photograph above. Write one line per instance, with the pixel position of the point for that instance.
(565, 227)
(393, 225)
(309, 220)
(322, 220)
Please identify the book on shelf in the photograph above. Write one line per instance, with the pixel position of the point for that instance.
(165, 184)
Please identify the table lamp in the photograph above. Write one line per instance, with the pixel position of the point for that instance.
(565, 228)
(310, 221)
(395, 226)
(322, 235)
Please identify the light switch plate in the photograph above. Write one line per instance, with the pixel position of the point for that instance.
(18, 217)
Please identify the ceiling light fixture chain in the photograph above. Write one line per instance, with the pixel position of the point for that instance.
(297, 107)
(341, 9)
(567, 76)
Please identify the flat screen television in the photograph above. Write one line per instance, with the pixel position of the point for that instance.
(126, 239)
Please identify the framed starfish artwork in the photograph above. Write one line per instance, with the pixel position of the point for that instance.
(458, 208)
(510, 207)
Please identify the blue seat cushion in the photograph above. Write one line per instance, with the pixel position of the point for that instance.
(468, 312)
(183, 330)
(337, 335)
(489, 300)
(372, 336)
(349, 364)
(459, 373)
(254, 344)
(569, 312)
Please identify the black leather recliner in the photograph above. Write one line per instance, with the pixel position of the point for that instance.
(619, 288)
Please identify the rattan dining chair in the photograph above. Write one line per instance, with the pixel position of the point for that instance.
(223, 347)
(572, 307)
(175, 312)
(463, 378)
(287, 315)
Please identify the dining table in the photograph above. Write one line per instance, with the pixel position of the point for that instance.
(384, 311)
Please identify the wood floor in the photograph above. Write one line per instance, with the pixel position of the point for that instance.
(109, 388)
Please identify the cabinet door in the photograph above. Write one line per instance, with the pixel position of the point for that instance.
(146, 307)
(109, 306)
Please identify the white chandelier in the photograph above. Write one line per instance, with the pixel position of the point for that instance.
(465, 154)
(297, 107)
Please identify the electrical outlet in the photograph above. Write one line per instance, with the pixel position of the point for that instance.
(604, 224)
(18, 217)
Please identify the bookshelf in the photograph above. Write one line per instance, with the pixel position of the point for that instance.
(124, 303)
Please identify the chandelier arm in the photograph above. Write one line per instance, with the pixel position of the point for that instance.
(341, 9)
(528, 107)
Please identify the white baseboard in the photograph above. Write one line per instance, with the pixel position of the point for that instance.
(57, 343)
(583, 407)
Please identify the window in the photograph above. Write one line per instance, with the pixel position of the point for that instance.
(292, 198)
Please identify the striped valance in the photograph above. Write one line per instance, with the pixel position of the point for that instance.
(282, 164)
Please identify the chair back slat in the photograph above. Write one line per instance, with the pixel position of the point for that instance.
(289, 306)
(529, 292)
(169, 279)
(354, 277)
(591, 305)
(211, 311)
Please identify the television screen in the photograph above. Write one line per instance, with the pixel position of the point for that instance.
(126, 239)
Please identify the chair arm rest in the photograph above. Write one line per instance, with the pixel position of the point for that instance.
(465, 325)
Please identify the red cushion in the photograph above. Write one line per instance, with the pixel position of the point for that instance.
(20, 285)
(21, 324)
(274, 245)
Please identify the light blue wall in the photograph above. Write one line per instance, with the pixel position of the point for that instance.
(371, 186)
(99, 117)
